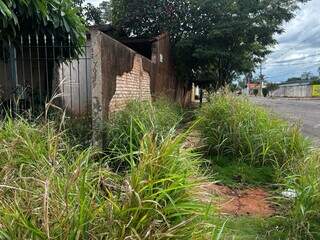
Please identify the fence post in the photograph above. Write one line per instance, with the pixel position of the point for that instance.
(98, 110)
(13, 65)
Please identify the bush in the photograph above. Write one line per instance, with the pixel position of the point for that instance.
(233, 126)
(265, 92)
(255, 92)
(127, 127)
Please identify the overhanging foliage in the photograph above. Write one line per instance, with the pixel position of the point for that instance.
(42, 17)
(214, 41)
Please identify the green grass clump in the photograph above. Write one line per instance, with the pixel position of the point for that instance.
(51, 190)
(302, 220)
(247, 142)
(48, 189)
(126, 128)
(232, 125)
(234, 173)
(159, 196)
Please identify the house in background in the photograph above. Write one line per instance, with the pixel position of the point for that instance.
(252, 86)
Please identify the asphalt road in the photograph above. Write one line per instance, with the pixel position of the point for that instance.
(305, 112)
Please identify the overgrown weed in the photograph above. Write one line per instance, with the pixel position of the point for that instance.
(52, 189)
(232, 125)
(235, 127)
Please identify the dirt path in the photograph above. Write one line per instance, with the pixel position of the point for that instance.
(249, 202)
(246, 202)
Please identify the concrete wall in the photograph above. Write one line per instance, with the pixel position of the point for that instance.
(293, 91)
(116, 74)
(119, 74)
(163, 79)
(105, 78)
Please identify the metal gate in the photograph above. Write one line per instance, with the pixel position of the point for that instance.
(36, 71)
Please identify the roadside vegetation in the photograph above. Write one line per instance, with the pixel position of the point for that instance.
(126, 129)
(52, 189)
(233, 126)
(248, 146)
(145, 185)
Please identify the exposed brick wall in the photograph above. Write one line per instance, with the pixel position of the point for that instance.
(133, 85)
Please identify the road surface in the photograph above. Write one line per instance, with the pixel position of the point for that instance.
(305, 112)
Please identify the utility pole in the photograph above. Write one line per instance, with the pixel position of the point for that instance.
(261, 79)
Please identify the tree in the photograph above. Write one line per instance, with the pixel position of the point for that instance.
(265, 92)
(242, 84)
(306, 76)
(92, 14)
(213, 41)
(42, 17)
(272, 86)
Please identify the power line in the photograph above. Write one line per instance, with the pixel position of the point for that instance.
(295, 59)
(294, 47)
(292, 64)
(282, 74)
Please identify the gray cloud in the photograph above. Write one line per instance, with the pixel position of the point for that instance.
(298, 50)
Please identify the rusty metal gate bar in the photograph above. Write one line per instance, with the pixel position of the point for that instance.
(34, 68)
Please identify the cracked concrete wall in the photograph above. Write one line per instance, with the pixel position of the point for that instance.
(119, 75)
(133, 85)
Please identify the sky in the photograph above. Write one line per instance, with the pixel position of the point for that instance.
(298, 48)
(94, 2)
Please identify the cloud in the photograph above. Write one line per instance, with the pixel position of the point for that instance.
(299, 46)
(94, 2)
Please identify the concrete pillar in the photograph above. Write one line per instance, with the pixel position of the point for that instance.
(98, 110)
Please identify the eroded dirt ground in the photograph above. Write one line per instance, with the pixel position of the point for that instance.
(249, 201)
(244, 202)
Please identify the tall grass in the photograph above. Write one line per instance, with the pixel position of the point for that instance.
(126, 128)
(52, 190)
(158, 200)
(302, 213)
(47, 188)
(232, 125)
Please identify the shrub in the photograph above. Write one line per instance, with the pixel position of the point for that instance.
(127, 127)
(265, 92)
(232, 125)
(255, 92)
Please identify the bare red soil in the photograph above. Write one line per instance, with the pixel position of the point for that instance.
(252, 201)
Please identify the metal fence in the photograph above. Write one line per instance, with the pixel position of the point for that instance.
(36, 69)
